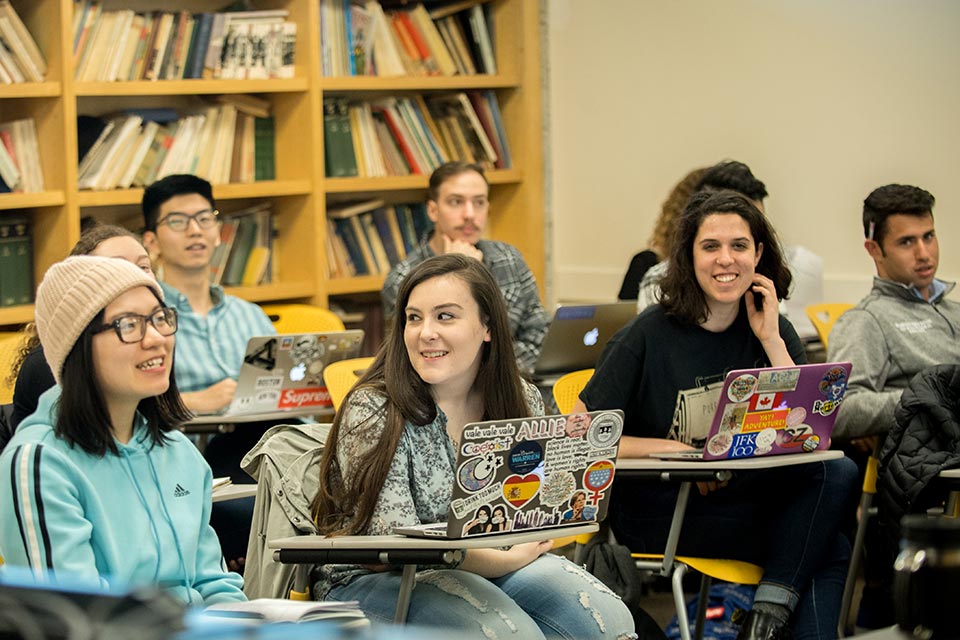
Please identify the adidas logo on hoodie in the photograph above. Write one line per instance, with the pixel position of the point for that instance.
(180, 492)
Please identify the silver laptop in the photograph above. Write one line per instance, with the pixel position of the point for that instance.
(577, 335)
(527, 474)
(284, 373)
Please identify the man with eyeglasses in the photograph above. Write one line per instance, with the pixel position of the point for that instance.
(181, 230)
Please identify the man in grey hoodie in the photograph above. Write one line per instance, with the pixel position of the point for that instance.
(905, 324)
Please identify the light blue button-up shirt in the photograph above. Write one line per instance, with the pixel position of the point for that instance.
(211, 348)
(937, 289)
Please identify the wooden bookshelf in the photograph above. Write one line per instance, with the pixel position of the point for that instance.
(301, 191)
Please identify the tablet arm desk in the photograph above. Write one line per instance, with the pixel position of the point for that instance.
(402, 550)
(686, 478)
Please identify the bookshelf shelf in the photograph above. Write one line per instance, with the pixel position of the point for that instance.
(272, 292)
(357, 84)
(264, 189)
(18, 315)
(407, 183)
(24, 200)
(301, 192)
(30, 90)
(360, 284)
(190, 87)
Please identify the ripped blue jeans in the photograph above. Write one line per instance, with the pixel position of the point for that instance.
(549, 598)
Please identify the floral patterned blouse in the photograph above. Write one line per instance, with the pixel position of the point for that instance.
(420, 479)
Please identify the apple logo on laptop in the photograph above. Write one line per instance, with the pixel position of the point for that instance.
(590, 337)
(297, 372)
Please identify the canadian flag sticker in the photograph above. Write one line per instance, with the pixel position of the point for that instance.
(765, 401)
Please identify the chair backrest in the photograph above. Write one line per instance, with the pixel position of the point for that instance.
(9, 346)
(340, 377)
(302, 318)
(823, 316)
(566, 391)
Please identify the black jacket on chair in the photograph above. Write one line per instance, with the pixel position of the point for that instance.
(924, 440)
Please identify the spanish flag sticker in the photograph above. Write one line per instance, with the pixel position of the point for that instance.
(519, 490)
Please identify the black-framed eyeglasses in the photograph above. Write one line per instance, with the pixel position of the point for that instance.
(205, 219)
(132, 327)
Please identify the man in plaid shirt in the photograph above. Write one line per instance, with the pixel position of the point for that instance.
(458, 204)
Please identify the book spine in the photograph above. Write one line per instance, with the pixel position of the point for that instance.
(242, 245)
(494, 107)
(16, 263)
(35, 57)
(405, 223)
(347, 234)
(398, 136)
(369, 230)
(194, 67)
(263, 149)
(386, 236)
(421, 221)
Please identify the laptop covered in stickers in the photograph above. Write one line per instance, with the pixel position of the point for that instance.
(283, 374)
(772, 411)
(528, 474)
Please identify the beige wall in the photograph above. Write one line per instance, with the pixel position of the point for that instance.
(824, 99)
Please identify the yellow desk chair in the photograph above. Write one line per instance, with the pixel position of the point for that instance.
(823, 316)
(865, 512)
(302, 318)
(566, 391)
(9, 346)
(340, 377)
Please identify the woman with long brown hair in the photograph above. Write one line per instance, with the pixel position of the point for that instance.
(448, 360)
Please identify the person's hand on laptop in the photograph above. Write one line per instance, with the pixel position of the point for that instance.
(213, 399)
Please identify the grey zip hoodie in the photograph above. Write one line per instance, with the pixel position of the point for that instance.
(890, 336)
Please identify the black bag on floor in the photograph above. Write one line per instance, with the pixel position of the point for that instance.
(611, 563)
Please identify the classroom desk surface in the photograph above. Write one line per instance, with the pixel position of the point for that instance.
(739, 464)
(218, 419)
(234, 491)
(409, 542)
(402, 550)
(951, 479)
(686, 472)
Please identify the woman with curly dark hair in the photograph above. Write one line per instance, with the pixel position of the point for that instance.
(719, 312)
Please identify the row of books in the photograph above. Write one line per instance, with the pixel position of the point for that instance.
(20, 58)
(16, 261)
(229, 142)
(124, 44)
(369, 238)
(413, 135)
(20, 168)
(245, 254)
(363, 39)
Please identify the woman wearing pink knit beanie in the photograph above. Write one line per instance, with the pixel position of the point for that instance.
(104, 487)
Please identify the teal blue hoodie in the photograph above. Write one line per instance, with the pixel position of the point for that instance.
(140, 517)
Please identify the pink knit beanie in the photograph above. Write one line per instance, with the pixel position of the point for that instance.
(73, 292)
